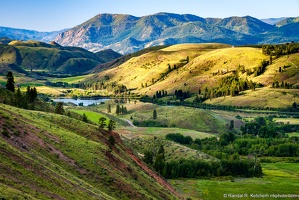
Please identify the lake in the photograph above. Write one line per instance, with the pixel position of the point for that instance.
(86, 102)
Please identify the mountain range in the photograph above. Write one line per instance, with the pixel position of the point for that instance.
(126, 33)
(23, 34)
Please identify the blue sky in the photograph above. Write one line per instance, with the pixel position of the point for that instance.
(52, 15)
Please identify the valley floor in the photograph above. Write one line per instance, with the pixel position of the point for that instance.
(278, 179)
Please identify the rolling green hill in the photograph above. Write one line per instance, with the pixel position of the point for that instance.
(4, 68)
(52, 58)
(173, 151)
(47, 156)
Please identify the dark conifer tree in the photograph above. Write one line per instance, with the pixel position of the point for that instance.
(111, 141)
(118, 111)
(10, 84)
(111, 125)
(18, 98)
(59, 108)
(109, 108)
(155, 114)
(148, 157)
(84, 118)
(102, 122)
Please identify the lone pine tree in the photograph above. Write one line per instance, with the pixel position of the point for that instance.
(155, 114)
(10, 84)
(102, 122)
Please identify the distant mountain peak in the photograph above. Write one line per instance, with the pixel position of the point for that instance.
(24, 34)
(126, 33)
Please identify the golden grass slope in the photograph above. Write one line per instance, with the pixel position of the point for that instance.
(148, 67)
(262, 97)
(208, 63)
(268, 96)
(205, 59)
(198, 72)
(289, 74)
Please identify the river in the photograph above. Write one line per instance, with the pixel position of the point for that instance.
(86, 102)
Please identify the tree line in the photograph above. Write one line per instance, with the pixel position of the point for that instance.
(12, 96)
(265, 127)
(261, 137)
(160, 94)
(280, 49)
(230, 85)
(283, 84)
(181, 139)
(199, 168)
(183, 168)
(120, 110)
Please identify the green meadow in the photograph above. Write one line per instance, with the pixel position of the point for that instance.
(92, 116)
(279, 178)
(296, 134)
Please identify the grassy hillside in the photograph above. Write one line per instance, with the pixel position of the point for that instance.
(204, 60)
(147, 68)
(170, 116)
(289, 71)
(123, 59)
(52, 156)
(191, 67)
(4, 68)
(263, 97)
(53, 58)
(173, 151)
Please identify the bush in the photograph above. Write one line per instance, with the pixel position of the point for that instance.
(5, 133)
(179, 138)
(149, 123)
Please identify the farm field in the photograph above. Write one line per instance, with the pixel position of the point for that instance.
(279, 178)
